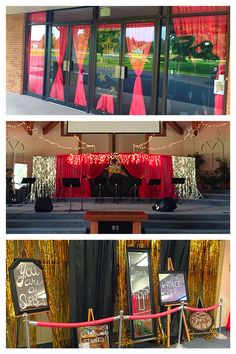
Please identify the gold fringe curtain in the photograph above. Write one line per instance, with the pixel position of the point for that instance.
(210, 274)
(54, 258)
(203, 271)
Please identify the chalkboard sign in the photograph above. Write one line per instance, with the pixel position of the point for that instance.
(28, 286)
(172, 287)
(93, 337)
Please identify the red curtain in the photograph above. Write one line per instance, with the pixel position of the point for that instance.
(85, 167)
(57, 90)
(89, 166)
(139, 37)
(194, 9)
(135, 164)
(228, 324)
(206, 28)
(37, 17)
(81, 35)
(35, 59)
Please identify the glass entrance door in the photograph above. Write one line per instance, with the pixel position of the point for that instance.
(124, 72)
(107, 80)
(69, 65)
(138, 63)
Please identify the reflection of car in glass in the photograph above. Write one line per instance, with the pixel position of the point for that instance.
(214, 71)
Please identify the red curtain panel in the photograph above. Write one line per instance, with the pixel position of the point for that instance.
(37, 17)
(194, 9)
(89, 166)
(228, 324)
(81, 35)
(59, 44)
(139, 38)
(205, 28)
(35, 59)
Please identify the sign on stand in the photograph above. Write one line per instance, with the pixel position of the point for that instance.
(28, 286)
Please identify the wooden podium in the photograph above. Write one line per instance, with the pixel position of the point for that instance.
(115, 221)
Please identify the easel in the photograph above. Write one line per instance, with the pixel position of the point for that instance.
(90, 315)
(171, 268)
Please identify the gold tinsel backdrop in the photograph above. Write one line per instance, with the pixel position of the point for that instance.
(53, 254)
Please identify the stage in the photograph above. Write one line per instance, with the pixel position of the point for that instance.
(210, 215)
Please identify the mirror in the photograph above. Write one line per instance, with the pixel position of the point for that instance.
(140, 295)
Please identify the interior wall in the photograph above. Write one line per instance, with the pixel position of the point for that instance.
(211, 142)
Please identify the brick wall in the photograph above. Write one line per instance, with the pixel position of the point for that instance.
(15, 44)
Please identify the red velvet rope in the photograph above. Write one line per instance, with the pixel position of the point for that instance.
(74, 324)
(128, 317)
(156, 315)
(213, 307)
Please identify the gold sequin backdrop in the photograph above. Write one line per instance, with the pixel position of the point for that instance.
(202, 279)
(53, 255)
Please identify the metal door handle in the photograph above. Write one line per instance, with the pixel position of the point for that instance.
(64, 66)
(123, 72)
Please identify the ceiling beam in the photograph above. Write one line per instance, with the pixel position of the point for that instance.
(177, 128)
(49, 127)
(28, 126)
(196, 126)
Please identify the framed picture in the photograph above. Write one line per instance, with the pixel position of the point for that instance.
(28, 286)
(93, 337)
(172, 287)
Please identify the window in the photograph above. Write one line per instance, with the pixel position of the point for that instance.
(20, 171)
(197, 65)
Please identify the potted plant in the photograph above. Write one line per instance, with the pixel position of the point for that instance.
(223, 173)
(210, 180)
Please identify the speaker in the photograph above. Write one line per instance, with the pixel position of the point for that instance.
(165, 204)
(43, 204)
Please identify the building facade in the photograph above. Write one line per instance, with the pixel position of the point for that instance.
(123, 60)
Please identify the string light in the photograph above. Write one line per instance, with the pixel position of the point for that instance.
(15, 125)
(189, 134)
(35, 132)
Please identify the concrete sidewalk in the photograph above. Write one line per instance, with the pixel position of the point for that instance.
(27, 105)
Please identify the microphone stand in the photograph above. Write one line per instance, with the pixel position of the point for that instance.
(82, 193)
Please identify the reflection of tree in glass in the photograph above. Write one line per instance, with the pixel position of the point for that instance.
(108, 41)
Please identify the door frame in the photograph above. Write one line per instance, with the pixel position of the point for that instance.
(156, 59)
(68, 54)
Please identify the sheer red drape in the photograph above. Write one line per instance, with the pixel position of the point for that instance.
(37, 17)
(160, 167)
(35, 59)
(176, 10)
(206, 28)
(81, 35)
(135, 164)
(228, 324)
(139, 38)
(90, 166)
(85, 167)
(57, 90)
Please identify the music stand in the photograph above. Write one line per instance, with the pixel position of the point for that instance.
(71, 183)
(135, 183)
(116, 181)
(29, 181)
(154, 183)
(178, 181)
(99, 182)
